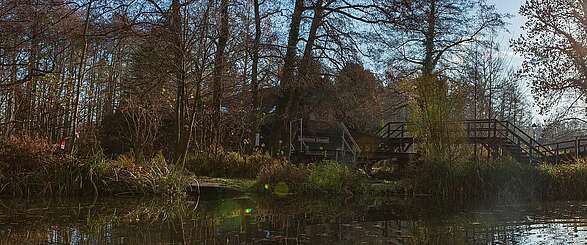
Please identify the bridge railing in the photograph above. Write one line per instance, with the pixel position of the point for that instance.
(505, 130)
(472, 128)
(486, 130)
(572, 148)
(527, 142)
(394, 130)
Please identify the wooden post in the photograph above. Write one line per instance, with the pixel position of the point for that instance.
(576, 147)
(302, 150)
(343, 150)
(290, 143)
(494, 129)
(557, 157)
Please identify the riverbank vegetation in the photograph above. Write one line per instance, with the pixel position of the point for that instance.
(322, 178)
(497, 181)
(31, 167)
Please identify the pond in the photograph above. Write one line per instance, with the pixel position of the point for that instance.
(263, 220)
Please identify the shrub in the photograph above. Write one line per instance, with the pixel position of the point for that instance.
(128, 175)
(21, 157)
(332, 177)
(282, 178)
(503, 181)
(567, 182)
(326, 177)
(19, 154)
(475, 181)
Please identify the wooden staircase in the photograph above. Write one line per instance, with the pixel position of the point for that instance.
(496, 136)
(314, 140)
(317, 140)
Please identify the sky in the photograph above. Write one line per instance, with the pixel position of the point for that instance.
(513, 28)
(513, 31)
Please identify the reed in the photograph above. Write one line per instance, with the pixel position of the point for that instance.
(220, 163)
(30, 168)
(322, 178)
(501, 181)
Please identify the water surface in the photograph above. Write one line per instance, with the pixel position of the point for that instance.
(264, 220)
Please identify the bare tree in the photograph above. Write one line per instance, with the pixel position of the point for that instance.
(554, 49)
(425, 35)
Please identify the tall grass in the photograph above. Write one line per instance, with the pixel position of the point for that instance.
(502, 181)
(30, 167)
(332, 177)
(322, 178)
(220, 163)
(564, 182)
(282, 178)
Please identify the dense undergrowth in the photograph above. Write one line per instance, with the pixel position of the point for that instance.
(503, 181)
(32, 167)
(277, 175)
(220, 163)
(324, 177)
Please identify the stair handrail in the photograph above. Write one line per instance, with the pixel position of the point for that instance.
(347, 145)
(529, 141)
(508, 130)
(386, 132)
(299, 138)
(355, 147)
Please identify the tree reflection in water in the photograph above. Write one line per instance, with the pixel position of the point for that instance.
(294, 221)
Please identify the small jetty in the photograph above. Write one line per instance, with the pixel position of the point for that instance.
(211, 190)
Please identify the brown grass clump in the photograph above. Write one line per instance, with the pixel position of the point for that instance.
(325, 177)
(31, 167)
(220, 163)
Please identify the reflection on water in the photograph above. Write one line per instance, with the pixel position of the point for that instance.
(266, 221)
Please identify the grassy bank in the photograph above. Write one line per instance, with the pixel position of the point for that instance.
(31, 167)
(321, 178)
(498, 181)
(276, 176)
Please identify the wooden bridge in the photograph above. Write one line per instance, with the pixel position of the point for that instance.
(498, 138)
(333, 140)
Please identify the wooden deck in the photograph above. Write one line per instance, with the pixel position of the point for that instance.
(495, 136)
(332, 140)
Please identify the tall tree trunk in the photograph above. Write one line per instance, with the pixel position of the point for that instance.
(25, 114)
(287, 82)
(255, 75)
(219, 69)
(80, 76)
(179, 63)
(198, 108)
(12, 106)
(306, 62)
(313, 34)
(429, 64)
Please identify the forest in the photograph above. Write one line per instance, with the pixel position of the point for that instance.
(146, 96)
